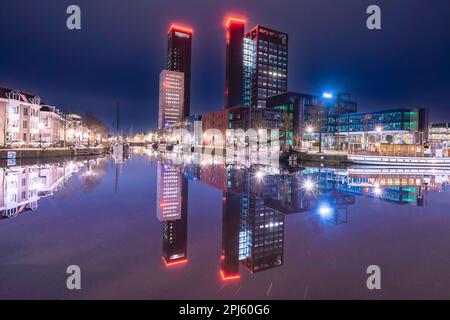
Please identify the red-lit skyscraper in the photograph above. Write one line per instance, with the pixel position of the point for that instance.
(179, 46)
(235, 29)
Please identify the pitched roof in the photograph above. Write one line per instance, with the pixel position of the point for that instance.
(24, 97)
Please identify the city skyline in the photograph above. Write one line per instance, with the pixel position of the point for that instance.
(75, 77)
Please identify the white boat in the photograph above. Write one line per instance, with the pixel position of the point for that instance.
(400, 161)
(120, 152)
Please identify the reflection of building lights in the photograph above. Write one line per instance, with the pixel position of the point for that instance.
(260, 175)
(226, 278)
(325, 211)
(174, 263)
(308, 185)
(377, 190)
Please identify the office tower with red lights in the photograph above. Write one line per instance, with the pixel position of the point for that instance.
(234, 74)
(179, 48)
(231, 218)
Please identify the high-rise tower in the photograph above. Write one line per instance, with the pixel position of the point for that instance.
(265, 65)
(171, 98)
(179, 46)
(234, 63)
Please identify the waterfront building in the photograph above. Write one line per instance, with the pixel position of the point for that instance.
(53, 124)
(76, 130)
(439, 132)
(179, 51)
(395, 126)
(24, 117)
(265, 65)
(19, 116)
(234, 74)
(171, 99)
(219, 122)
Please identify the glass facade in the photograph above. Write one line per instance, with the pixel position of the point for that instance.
(266, 65)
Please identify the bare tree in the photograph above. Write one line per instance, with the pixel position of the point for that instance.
(94, 124)
(4, 129)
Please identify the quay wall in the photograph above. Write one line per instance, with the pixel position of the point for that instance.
(50, 152)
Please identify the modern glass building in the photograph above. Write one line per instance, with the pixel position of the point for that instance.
(265, 65)
(396, 126)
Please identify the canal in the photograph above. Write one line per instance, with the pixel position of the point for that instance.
(159, 226)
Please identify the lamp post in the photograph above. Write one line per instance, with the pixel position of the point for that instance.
(379, 130)
(309, 130)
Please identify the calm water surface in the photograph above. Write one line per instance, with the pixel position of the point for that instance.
(156, 227)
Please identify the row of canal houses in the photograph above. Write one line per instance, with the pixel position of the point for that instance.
(25, 117)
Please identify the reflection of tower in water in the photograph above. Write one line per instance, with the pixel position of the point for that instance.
(252, 232)
(172, 201)
(261, 241)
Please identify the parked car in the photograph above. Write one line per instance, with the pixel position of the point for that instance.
(39, 144)
(16, 144)
(60, 144)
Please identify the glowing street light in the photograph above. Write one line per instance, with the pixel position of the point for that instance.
(309, 129)
(377, 190)
(379, 129)
(260, 176)
(308, 185)
(325, 211)
(327, 95)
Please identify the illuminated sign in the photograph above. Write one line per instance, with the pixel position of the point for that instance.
(182, 35)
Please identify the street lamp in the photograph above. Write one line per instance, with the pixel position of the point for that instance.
(309, 130)
(327, 95)
(379, 130)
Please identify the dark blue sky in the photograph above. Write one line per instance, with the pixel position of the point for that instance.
(118, 54)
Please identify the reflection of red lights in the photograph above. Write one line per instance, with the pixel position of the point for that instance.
(174, 263)
(227, 278)
(181, 28)
(234, 20)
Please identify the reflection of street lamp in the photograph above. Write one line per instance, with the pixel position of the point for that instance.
(309, 130)
(379, 130)
(40, 127)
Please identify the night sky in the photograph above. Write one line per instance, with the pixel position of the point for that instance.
(120, 51)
